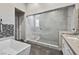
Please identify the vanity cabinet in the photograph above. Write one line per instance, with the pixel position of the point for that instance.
(65, 48)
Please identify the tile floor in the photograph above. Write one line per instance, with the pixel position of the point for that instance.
(41, 50)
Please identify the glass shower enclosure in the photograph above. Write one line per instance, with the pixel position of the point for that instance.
(45, 27)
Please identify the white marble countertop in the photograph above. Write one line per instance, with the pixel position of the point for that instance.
(73, 42)
(4, 38)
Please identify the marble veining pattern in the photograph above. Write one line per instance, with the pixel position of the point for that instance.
(7, 30)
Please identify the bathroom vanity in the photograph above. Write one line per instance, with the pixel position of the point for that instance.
(70, 44)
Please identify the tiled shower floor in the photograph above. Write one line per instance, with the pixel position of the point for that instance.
(41, 50)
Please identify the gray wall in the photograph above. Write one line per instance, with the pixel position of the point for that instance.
(70, 18)
(51, 23)
(7, 11)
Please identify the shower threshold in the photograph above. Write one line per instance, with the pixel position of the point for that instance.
(38, 42)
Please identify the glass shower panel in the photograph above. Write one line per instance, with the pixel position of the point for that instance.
(30, 27)
(50, 24)
(36, 27)
(33, 27)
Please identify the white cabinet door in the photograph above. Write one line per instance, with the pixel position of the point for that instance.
(66, 49)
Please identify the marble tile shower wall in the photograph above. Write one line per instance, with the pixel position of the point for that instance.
(6, 30)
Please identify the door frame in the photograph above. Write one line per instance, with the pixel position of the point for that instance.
(20, 13)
